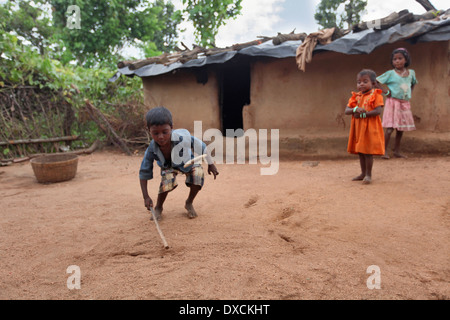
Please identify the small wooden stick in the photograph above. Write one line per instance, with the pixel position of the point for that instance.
(187, 164)
(159, 229)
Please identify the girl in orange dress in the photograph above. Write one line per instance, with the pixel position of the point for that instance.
(366, 136)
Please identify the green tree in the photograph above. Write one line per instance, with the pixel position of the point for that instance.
(108, 26)
(208, 16)
(166, 39)
(327, 16)
(28, 21)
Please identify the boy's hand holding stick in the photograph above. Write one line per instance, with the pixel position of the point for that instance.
(158, 228)
(149, 203)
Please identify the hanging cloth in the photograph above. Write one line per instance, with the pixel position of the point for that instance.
(305, 50)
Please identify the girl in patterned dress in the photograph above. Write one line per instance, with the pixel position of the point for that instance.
(397, 115)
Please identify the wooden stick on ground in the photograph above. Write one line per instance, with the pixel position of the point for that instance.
(159, 229)
(28, 141)
(89, 150)
(94, 113)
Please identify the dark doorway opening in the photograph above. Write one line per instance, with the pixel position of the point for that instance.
(234, 92)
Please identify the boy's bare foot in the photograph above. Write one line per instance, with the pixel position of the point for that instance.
(398, 155)
(359, 178)
(191, 211)
(158, 214)
(367, 180)
(386, 157)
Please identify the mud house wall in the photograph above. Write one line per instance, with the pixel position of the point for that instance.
(314, 101)
(185, 97)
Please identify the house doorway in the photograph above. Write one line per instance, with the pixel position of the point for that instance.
(234, 92)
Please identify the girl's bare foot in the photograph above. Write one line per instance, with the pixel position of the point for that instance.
(386, 157)
(158, 214)
(359, 178)
(367, 180)
(398, 155)
(191, 211)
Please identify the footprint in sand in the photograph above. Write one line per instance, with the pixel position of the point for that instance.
(251, 202)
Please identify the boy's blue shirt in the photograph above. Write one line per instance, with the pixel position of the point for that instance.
(190, 143)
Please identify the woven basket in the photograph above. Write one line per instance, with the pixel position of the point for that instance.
(55, 168)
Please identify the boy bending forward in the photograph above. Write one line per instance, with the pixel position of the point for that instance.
(171, 149)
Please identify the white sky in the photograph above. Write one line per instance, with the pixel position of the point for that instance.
(268, 17)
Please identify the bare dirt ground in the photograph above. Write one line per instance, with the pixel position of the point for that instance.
(308, 232)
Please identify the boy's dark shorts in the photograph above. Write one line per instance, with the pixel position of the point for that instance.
(168, 178)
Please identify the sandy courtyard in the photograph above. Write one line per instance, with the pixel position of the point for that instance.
(308, 232)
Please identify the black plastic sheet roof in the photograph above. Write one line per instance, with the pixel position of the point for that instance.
(363, 42)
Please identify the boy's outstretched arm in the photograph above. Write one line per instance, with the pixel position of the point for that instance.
(145, 174)
(148, 202)
(212, 169)
(211, 166)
